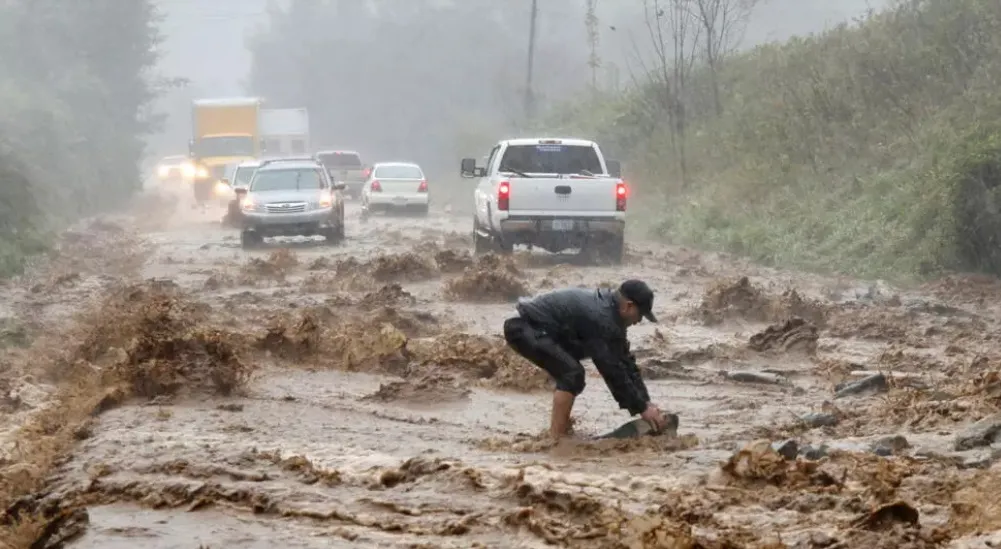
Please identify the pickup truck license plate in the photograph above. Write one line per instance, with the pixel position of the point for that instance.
(563, 225)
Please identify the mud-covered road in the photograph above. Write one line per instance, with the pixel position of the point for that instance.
(160, 387)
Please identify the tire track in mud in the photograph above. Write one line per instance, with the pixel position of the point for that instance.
(372, 405)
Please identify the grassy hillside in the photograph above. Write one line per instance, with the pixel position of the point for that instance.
(872, 149)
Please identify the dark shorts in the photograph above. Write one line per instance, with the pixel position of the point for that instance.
(540, 349)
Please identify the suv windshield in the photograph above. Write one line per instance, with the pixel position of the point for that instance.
(243, 175)
(340, 160)
(561, 159)
(287, 180)
(398, 172)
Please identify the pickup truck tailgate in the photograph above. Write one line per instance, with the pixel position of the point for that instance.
(563, 194)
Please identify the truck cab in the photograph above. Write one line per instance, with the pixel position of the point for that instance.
(224, 131)
(553, 193)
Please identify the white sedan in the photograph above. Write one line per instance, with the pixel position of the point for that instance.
(395, 185)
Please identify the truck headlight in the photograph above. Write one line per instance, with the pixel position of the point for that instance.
(221, 188)
(163, 171)
(201, 172)
(188, 170)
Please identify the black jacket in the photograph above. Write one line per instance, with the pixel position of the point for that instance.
(586, 324)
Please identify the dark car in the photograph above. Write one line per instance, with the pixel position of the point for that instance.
(345, 166)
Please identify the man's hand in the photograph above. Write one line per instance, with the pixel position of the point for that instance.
(654, 416)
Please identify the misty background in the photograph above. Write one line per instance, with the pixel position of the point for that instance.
(423, 80)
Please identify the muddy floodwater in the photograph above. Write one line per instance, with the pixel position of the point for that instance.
(359, 395)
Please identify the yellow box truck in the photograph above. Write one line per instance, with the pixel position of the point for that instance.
(224, 131)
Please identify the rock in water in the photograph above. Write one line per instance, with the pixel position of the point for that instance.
(640, 427)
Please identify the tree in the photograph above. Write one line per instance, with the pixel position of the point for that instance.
(674, 35)
(593, 38)
(723, 24)
(76, 89)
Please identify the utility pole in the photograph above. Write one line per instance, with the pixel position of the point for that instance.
(529, 94)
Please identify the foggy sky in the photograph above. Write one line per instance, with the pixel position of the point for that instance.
(204, 41)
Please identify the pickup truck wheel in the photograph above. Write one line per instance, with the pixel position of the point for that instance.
(481, 244)
(614, 251)
(330, 237)
(502, 248)
(340, 226)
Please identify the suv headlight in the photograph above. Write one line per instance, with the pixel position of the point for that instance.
(326, 201)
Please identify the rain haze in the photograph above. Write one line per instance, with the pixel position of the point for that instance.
(645, 274)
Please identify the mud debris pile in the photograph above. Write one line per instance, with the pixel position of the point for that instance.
(276, 266)
(452, 261)
(743, 300)
(492, 278)
(143, 341)
(793, 335)
(170, 353)
(486, 359)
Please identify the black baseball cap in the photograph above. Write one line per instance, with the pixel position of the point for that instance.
(639, 293)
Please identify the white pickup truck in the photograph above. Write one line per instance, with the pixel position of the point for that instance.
(555, 194)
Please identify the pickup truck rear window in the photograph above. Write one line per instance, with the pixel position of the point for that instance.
(333, 160)
(398, 172)
(559, 159)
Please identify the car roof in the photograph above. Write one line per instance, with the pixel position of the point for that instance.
(572, 141)
(289, 165)
(249, 164)
(174, 157)
(337, 151)
(384, 164)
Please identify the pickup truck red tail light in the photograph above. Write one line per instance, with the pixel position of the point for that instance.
(621, 193)
(503, 196)
(376, 187)
(423, 187)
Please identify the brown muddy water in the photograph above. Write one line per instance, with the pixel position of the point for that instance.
(161, 388)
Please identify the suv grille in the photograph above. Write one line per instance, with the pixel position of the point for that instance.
(285, 207)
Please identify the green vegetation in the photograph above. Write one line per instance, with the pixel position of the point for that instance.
(74, 90)
(872, 149)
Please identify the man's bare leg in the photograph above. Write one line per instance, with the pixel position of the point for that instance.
(562, 406)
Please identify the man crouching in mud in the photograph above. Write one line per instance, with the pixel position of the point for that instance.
(556, 330)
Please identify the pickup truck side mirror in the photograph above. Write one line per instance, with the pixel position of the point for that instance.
(468, 168)
(339, 185)
(614, 168)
